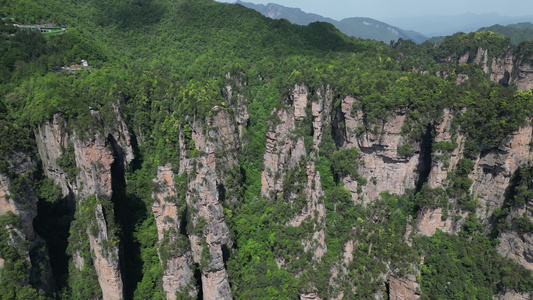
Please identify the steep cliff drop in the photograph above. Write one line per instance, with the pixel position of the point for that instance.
(18, 204)
(204, 172)
(86, 174)
(174, 249)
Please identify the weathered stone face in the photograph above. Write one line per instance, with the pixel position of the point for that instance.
(94, 156)
(178, 275)
(505, 69)
(205, 173)
(381, 165)
(403, 288)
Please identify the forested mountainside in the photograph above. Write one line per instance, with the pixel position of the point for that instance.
(518, 33)
(209, 152)
(365, 28)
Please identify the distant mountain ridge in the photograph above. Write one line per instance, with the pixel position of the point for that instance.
(441, 25)
(518, 33)
(365, 28)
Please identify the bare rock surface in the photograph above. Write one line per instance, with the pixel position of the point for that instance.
(178, 275)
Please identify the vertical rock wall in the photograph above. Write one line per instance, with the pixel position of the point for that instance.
(18, 197)
(204, 174)
(493, 171)
(381, 165)
(178, 275)
(94, 157)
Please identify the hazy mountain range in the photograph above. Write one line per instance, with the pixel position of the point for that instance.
(419, 29)
(438, 25)
(365, 28)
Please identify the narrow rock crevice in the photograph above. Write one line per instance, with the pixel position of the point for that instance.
(52, 223)
(424, 165)
(221, 192)
(338, 131)
(129, 211)
(198, 279)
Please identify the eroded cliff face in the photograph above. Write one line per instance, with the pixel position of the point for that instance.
(18, 197)
(205, 175)
(286, 152)
(442, 164)
(493, 171)
(106, 258)
(442, 161)
(516, 241)
(52, 138)
(90, 174)
(524, 79)
(178, 276)
(191, 227)
(508, 68)
(381, 164)
(403, 288)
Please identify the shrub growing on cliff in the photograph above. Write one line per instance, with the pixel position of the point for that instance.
(406, 150)
(15, 272)
(67, 162)
(345, 163)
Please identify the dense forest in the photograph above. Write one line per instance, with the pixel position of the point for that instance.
(184, 151)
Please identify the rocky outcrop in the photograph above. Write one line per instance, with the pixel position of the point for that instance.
(518, 247)
(353, 120)
(403, 288)
(281, 152)
(178, 277)
(17, 196)
(106, 259)
(516, 243)
(205, 173)
(94, 155)
(315, 208)
(505, 69)
(524, 78)
(493, 170)
(299, 101)
(381, 165)
(512, 295)
(93, 159)
(502, 68)
(284, 150)
(121, 136)
(52, 140)
(310, 296)
(444, 161)
(22, 203)
(429, 220)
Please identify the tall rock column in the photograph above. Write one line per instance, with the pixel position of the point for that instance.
(214, 149)
(174, 252)
(89, 161)
(286, 152)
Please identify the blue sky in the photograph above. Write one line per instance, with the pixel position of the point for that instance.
(384, 9)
